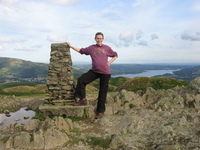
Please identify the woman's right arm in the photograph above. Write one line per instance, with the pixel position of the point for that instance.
(74, 48)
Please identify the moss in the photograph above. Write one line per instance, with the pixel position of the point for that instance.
(198, 133)
(77, 131)
(171, 101)
(76, 118)
(73, 140)
(168, 124)
(31, 138)
(125, 102)
(84, 116)
(98, 141)
(5, 139)
(7, 108)
(39, 116)
(132, 106)
(189, 117)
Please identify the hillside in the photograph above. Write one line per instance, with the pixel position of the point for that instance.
(12, 69)
(186, 74)
(117, 69)
(22, 89)
(142, 83)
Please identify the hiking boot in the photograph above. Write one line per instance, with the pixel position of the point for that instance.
(99, 115)
(81, 102)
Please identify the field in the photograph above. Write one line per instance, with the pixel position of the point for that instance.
(22, 89)
(115, 85)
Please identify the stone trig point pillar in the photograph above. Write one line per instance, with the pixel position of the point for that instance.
(60, 80)
(60, 85)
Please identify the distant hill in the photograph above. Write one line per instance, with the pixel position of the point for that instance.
(186, 74)
(117, 69)
(17, 69)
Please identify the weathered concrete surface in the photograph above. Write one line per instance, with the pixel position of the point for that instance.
(49, 110)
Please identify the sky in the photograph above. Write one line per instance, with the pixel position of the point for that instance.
(140, 31)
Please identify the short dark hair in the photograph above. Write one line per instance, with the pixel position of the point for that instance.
(99, 33)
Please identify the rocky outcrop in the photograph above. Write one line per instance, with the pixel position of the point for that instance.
(15, 103)
(46, 135)
(149, 120)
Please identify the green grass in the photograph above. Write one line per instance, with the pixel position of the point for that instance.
(5, 139)
(7, 108)
(14, 84)
(31, 138)
(167, 83)
(118, 81)
(39, 116)
(77, 131)
(141, 83)
(74, 140)
(98, 141)
(21, 93)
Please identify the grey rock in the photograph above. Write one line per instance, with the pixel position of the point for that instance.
(195, 85)
(31, 124)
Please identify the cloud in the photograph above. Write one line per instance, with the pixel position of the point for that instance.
(110, 15)
(196, 7)
(189, 35)
(142, 2)
(7, 7)
(1, 47)
(56, 38)
(6, 39)
(126, 36)
(139, 34)
(68, 2)
(154, 36)
(11, 40)
(124, 39)
(36, 46)
(143, 43)
(18, 47)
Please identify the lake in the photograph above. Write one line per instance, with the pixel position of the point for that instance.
(149, 73)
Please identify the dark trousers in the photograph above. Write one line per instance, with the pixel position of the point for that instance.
(88, 77)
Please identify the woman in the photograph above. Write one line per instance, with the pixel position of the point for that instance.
(99, 54)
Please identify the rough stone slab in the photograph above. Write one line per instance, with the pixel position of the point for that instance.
(68, 111)
(63, 102)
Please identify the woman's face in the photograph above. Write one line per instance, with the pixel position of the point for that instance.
(99, 39)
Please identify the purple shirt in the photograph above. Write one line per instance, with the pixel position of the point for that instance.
(99, 56)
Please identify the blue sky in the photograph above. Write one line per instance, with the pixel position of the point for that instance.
(141, 31)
